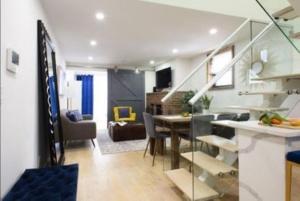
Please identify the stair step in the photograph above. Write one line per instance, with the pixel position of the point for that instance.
(287, 13)
(220, 142)
(184, 181)
(210, 164)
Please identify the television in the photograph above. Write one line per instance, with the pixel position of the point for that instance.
(164, 78)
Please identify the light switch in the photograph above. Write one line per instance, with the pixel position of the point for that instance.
(13, 60)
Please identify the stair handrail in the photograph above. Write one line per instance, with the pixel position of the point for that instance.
(198, 67)
(219, 75)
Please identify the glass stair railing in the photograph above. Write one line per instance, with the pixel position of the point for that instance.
(285, 13)
(207, 153)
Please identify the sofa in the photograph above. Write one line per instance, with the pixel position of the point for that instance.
(81, 130)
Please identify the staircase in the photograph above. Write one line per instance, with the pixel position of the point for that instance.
(287, 15)
(212, 169)
(202, 187)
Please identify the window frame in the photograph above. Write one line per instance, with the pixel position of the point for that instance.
(209, 66)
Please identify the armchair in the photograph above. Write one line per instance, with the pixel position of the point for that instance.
(129, 117)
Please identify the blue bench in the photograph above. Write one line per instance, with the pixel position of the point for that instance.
(292, 160)
(46, 184)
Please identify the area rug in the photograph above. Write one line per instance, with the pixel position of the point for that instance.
(107, 146)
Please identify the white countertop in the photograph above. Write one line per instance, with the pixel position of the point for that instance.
(254, 126)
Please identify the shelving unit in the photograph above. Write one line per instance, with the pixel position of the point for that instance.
(276, 77)
(274, 93)
(258, 109)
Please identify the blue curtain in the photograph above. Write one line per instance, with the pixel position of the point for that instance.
(87, 103)
(53, 98)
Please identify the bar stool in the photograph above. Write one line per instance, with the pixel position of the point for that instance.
(292, 160)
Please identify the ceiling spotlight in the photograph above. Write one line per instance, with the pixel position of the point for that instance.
(93, 43)
(213, 31)
(175, 51)
(152, 62)
(90, 58)
(136, 71)
(100, 16)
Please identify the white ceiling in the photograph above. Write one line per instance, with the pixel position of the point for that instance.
(133, 32)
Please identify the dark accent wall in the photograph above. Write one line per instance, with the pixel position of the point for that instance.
(125, 88)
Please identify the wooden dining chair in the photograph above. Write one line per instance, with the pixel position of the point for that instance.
(152, 133)
(292, 160)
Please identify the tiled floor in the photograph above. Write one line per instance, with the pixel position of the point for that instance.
(129, 177)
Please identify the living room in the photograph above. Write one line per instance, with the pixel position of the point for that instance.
(150, 100)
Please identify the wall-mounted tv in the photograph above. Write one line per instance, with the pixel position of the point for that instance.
(164, 78)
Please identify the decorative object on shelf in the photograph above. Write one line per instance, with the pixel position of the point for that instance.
(273, 93)
(275, 77)
(186, 107)
(257, 67)
(206, 102)
(50, 96)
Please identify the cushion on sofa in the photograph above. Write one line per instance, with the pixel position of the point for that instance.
(74, 115)
(124, 113)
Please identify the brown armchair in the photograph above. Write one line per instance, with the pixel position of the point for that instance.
(81, 130)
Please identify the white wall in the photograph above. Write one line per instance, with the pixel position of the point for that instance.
(150, 81)
(180, 69)
(19, 92)
(239, 8)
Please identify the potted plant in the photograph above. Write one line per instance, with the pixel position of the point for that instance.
(186, 107)
(206, 102)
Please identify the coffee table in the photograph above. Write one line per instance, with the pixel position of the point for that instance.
(130, 131)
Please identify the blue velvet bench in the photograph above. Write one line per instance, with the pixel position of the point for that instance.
(46, 184)
(292, 160)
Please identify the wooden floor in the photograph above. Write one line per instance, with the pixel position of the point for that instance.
(129, 177)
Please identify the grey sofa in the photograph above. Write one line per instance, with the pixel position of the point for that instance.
(82, 130)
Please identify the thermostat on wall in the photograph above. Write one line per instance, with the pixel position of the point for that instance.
(12, 60)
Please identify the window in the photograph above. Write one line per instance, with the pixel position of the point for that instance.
(216, 64)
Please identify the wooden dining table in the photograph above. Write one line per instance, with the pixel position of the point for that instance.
(173, 122)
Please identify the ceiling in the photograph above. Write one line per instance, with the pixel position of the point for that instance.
(133, 32)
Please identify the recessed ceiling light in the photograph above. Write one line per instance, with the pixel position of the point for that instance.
(90, 58)
(175, 51)
(137, 70)
(100, 16)
(152, 62)
(93, 43)
(213, 31)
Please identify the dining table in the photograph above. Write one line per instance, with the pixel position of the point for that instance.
(173, 123)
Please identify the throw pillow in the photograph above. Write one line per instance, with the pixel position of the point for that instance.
(124, 113)
(74, 115)
(78, 115)
(71, 116)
